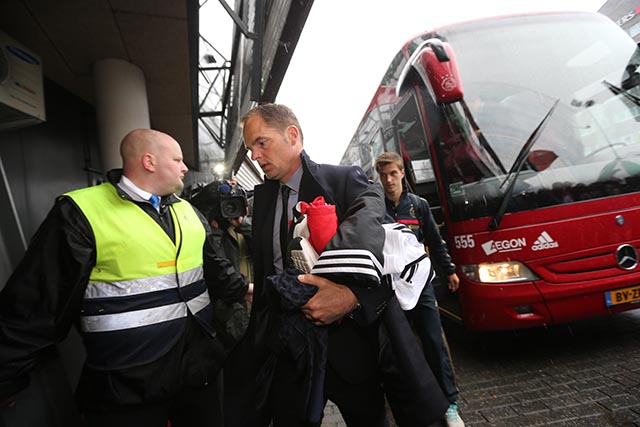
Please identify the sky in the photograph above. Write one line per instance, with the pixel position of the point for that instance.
(346, 46)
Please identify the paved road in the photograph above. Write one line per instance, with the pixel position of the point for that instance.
(580, 374)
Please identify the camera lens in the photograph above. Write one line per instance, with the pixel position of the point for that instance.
(233, 207)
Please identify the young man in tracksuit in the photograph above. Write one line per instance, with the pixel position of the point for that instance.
(413, 211)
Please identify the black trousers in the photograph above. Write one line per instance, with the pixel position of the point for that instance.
(361, 405)
(425, 318)
(192, 407)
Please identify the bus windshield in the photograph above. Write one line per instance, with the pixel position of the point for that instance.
(575, 74)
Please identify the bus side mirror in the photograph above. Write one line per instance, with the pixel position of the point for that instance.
(435, 63)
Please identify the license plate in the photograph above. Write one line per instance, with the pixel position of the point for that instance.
(622, 296)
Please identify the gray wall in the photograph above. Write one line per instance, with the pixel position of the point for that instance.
(46, 160)
(41, 162)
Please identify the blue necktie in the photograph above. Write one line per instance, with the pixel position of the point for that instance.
(155, 201)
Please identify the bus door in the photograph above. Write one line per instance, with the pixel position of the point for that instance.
(413, 146)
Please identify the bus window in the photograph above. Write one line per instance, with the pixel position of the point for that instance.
(412, 139)
(376, 144)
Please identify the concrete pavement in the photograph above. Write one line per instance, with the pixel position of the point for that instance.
(580, 374)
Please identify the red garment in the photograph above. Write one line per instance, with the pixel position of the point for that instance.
(321, 221)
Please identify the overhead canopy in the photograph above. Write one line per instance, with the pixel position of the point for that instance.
(70, 35)
(161, 37)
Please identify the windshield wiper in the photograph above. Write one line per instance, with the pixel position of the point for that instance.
(483, 140)
(517, 167)
(619, 91)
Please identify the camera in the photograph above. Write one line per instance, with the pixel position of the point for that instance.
(233, 200)
(218, 200)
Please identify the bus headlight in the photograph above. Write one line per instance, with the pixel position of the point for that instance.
(498, 272)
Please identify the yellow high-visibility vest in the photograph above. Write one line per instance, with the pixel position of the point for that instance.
(143, 285)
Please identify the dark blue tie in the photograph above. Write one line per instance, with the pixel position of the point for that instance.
(284, 224)
(155, 201)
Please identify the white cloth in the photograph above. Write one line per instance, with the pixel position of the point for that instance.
(406, 261)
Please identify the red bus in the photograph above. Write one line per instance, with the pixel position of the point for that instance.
(523, 133)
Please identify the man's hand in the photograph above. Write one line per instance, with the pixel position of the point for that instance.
(453, 282)
(8, 402)
(330, 303)
(249, 296)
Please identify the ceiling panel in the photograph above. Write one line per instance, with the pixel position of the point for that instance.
(82, 31)
(179, 127)
(168, 98)
(157, 44)
(71, 35)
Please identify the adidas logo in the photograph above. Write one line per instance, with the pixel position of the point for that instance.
(544, 241)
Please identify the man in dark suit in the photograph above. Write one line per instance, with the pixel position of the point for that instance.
(350, 295)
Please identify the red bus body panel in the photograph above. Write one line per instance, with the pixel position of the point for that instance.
(574, 273)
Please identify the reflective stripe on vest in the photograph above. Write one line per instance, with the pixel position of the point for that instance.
(143, 284)
(145, 317)
(103, 291)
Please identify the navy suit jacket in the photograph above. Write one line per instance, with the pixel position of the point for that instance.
(353, 347)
